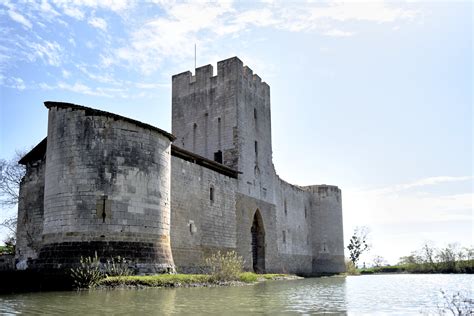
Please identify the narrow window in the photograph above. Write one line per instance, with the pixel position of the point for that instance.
(284, 237)
(211, 194)
(305, 212)
(206, 117)
(256, 150)
(255, 114)
(104, 214)
(286, 209)
(219, 136)
(194, 136)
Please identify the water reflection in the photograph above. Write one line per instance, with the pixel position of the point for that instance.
(399, 294)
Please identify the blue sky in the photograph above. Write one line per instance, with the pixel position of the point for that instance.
(375, 97)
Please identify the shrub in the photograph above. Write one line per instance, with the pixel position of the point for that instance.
(225, 267)
(351, 269)
(117, 267)
(88, 273)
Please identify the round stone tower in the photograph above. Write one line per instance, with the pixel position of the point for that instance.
(327, 229)
(107, 190)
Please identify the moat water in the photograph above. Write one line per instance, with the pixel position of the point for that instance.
(375, 294)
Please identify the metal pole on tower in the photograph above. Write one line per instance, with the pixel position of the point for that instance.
(194, 57)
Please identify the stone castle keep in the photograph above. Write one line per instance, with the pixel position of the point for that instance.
(105, 183)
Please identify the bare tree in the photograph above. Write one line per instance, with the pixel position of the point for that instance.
(11, 174)
(379, 261)
(428, 254)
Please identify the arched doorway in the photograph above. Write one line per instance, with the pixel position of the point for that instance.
(258, 243)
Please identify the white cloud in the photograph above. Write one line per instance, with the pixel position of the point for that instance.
(47, 9)
(73, 12)
(82, 89)
(173, 34)
(406, 203)
(98, 23)
(12, 82)
(434, 181)
(102, 78)
(170, 36)
(49, 52)
(15, 16)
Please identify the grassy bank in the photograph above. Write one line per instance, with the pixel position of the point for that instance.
(178, 280)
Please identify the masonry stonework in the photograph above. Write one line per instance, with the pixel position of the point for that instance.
(108, 184)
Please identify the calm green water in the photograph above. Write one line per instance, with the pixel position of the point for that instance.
(376, 294)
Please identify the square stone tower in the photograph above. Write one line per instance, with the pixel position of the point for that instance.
(226, 118)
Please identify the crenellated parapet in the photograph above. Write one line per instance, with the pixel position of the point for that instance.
(228, 71)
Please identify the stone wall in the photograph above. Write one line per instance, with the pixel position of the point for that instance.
(107, 189)
(30, 211)
(112, 186)
(199, 225)
(327, 235)
(294, 228)
(231, 112)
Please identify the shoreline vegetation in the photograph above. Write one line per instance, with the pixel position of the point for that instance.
(458, 267)
(428, 259)
(186, 280)
(222, 269)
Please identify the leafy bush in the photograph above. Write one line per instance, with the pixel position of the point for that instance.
(225, 267)
(88, 273)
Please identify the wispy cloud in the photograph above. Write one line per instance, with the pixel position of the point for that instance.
(13, 83)
(48, 51)
(98, 23)
(166, 34)
(17, 17)
(409, 202)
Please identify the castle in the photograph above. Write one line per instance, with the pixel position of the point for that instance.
(106, 184)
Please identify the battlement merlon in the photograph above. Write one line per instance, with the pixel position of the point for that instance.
(227, 70)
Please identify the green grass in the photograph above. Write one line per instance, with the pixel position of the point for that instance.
(174, 280)
(159, 280)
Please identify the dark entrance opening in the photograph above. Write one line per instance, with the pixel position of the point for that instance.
(258, 243)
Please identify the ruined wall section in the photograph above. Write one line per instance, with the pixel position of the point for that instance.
(30, 211)
(107, 189)
(327, 229)
(200, 223)
(294, 229)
